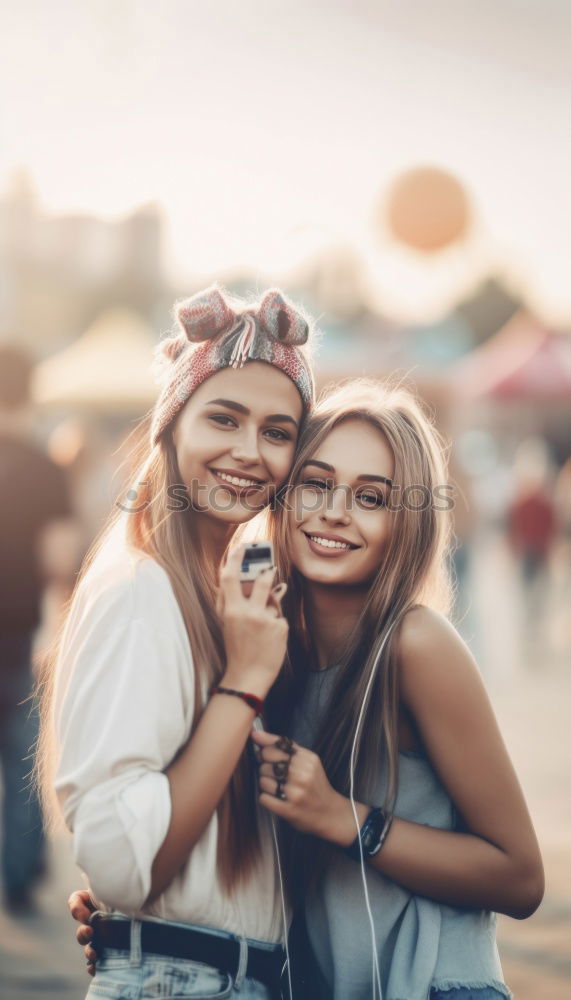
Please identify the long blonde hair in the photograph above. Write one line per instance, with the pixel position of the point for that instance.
(171, 538)
(414, 571)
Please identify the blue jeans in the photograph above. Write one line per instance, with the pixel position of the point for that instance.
(466, 993)
(131, 975)
(23, 832)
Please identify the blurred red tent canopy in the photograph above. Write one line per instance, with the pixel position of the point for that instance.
(524, 360)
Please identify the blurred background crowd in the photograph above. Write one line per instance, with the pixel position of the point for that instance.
(401, 170)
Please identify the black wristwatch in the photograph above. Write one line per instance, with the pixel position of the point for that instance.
(372, 835)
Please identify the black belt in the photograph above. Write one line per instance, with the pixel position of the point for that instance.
(185, 942)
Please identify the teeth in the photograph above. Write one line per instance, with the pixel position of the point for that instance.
(236, 481)
(328, 543)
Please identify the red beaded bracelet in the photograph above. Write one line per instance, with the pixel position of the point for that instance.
(251, 699)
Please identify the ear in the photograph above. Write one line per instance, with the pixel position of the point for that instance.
(281, 319)
(205, 315)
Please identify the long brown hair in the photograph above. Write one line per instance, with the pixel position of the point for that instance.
(171, 538)
(414, 571)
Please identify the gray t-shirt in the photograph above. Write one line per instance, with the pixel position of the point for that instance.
(420, 944)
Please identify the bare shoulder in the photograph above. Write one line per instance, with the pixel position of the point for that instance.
(424, 630)
(421, 624)
(432, 655)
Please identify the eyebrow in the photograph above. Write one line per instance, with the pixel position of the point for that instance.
(365, 478)
(274, 418)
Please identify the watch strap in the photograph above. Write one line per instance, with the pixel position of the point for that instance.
(371, 836)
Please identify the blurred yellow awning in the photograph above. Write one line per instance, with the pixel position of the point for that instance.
(107, 369)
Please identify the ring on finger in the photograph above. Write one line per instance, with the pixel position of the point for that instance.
(280, 768)
(280, 789)
(285, 743)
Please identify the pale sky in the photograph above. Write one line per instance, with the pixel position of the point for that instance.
(268, 128)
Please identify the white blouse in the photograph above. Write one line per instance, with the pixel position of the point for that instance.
(124, 701)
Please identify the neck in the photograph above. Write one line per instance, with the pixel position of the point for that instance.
(215, 537)
(331, 613)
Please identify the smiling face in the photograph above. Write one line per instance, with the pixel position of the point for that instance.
(235, 440)
(339, 523)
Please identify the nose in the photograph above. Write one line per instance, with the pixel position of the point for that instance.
(337, 506)
(245, 447)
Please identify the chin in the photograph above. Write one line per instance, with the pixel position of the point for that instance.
(334, 576)
(318, 574)
(237, 515)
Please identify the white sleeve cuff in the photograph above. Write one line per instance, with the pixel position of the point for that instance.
(118, 832)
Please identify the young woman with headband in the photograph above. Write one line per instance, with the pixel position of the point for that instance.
(141, 721)
(409, 827)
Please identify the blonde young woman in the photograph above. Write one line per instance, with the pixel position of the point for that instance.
(409, 826)
(159, 675)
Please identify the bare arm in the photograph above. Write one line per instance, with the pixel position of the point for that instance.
(497, 865)
(198, 778)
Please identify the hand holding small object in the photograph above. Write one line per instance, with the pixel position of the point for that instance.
(255, 633)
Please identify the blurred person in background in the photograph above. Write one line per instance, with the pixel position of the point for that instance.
(532, 533)
(562, 596)
(35, 527)
(562, 496)
(532, 529)
(464, 526)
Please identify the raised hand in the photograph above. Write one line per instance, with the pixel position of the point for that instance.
(255, 633)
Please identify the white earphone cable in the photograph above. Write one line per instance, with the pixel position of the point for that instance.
(375, 963)
(288, 962)
(258, 725)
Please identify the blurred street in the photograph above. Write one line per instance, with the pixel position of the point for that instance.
(536, 953)
(39, 956)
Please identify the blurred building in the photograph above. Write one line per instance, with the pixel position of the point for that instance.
(57, 273)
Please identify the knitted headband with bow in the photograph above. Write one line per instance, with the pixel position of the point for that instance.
(215, 336)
